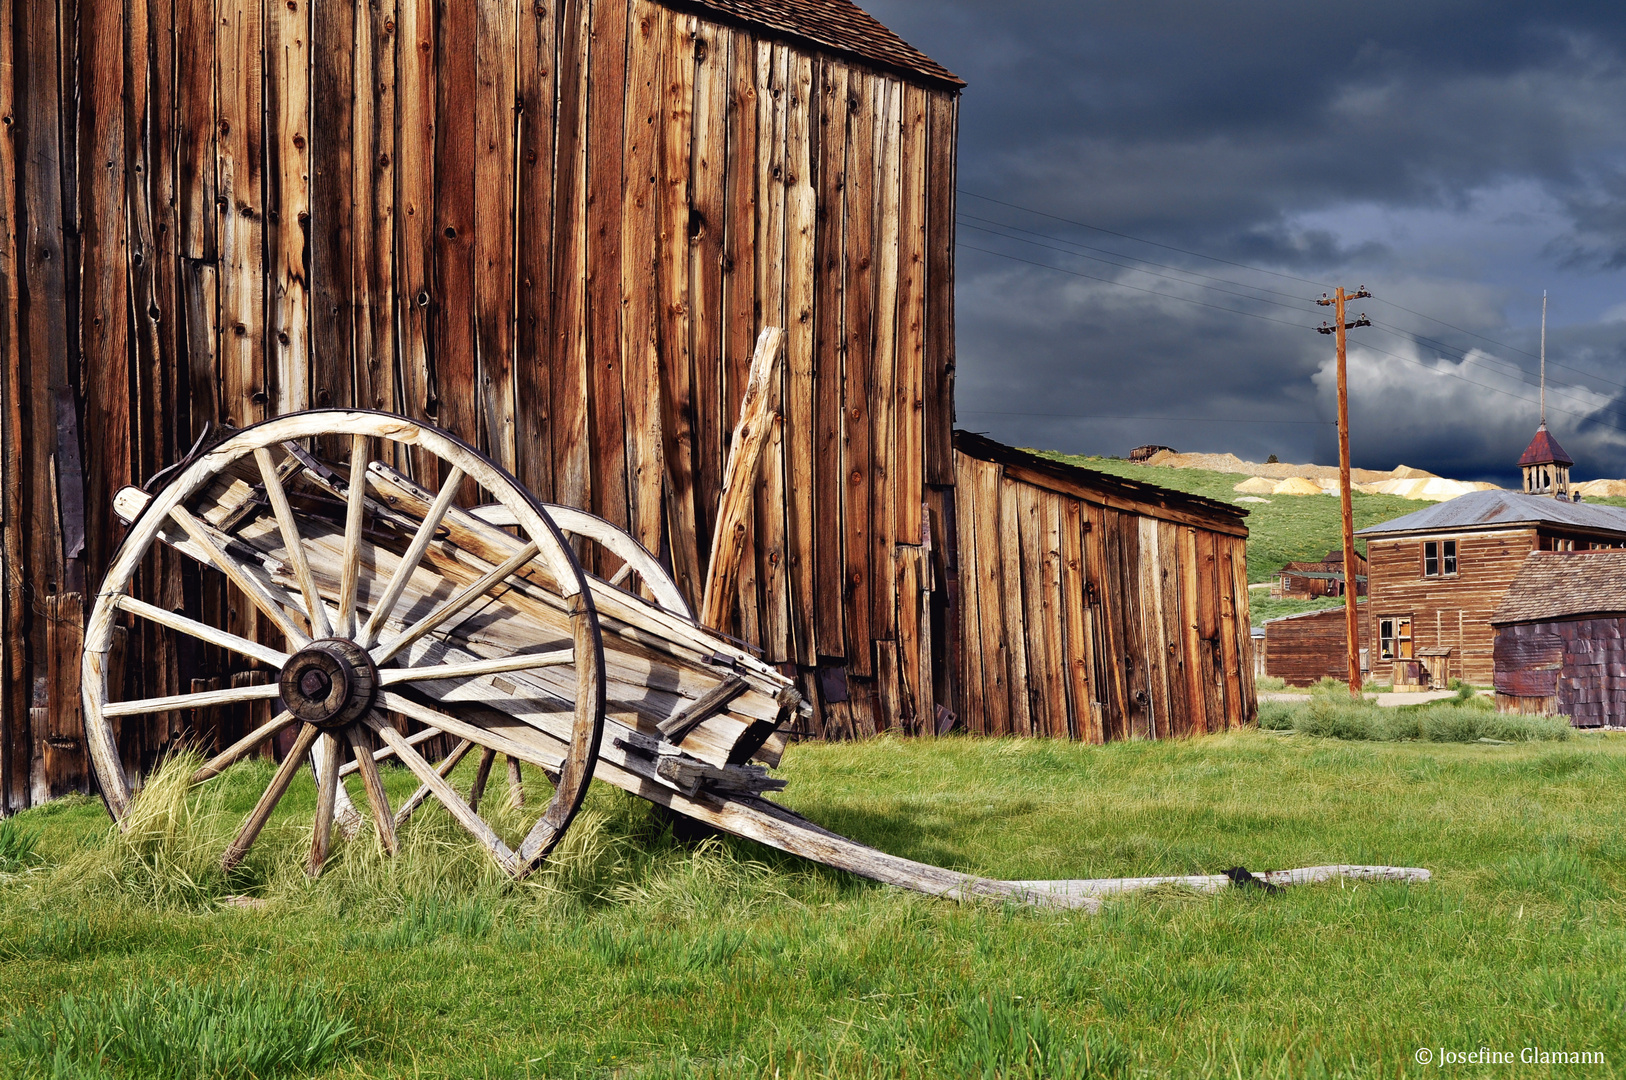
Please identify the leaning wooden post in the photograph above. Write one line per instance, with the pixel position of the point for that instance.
(734, 503)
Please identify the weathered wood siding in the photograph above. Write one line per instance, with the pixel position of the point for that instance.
(1569, 667)
(1304, 649)
(1086, 613)
(554, 229)
(1447, 612)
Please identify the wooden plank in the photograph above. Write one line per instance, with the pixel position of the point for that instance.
(415, 217)
(195, 167)
(708, 203)
(1190, 621)
(862, 702)
(739, 279)
(801, 253)
(641, 362)
(1160, 724)
(859, 297)
(996, 661)
(1134, 657)
(934, 659)
(967, 510)
(453, 309)
(829, 333)
(572, 459)
(332, 197)
(906, 579)
(1101, 560)
(729, 551)
(14, 681)
(909, 412)
(1229, 628)
(676, 364)
(104, 286)
(1081, 694)
(1053, 625)
(772, 117)
(495, 52)
(1248, 691)
(937, 386)
(607, 94)
(889, 710)
(372, 226)
(535, 86)
(63, 749)
(1208, 629)
(1171, 636)
(1029, 530)
(288, 105)
(888, 107)
(1011, 596)
(238, 164)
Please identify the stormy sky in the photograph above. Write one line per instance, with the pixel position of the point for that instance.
(1188, 176)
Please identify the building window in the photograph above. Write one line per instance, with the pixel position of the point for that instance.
(1439, 558)
(1394, 637)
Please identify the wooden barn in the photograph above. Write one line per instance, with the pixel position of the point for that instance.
(1436, 575)
(1305, 648)
(1093, 607)
(1560, 645)
(553, 229)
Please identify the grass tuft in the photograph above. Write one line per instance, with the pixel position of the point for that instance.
(18, 846)
(216, 1031)
(1328, 713)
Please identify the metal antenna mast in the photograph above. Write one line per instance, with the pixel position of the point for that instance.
(1544, 358)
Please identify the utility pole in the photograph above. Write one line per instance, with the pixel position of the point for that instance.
(1351, 616)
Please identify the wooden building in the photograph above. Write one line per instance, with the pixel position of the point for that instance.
(1436, 576)
(554, 229)
(1303, 649)
(1312, 580)
(1094, 607)
(1560, 644)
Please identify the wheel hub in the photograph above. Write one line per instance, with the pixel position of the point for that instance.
(330, 683)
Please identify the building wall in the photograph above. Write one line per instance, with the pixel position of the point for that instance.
(1452, 612)
(553, 229)
(1572, 667)
(1304, 649)
(1087, 617)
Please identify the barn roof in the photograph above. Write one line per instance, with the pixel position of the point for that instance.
(836, 24)
(1565, 585)
(1544, 450)
(1104, 487)
(1501, 509)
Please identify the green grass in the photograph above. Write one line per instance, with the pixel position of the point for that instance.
(1288, 528)
(1262, 607)
(635, 956)
(1328, 711)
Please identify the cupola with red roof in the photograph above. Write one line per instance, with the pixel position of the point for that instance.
(1546, 466)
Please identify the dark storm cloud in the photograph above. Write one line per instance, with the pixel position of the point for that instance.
(1449, 155)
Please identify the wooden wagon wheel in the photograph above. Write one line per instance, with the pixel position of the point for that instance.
(362, 635)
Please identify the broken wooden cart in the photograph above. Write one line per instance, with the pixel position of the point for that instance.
(402, 574)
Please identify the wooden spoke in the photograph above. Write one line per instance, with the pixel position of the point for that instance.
(385, 753)
(482, 773)
(444, 791)
(270, 797)
(409, 562)
(327, 796)
(203, 632)
(202, 699)
(252, 587)
(390, 676)
(448, 763)
(350, 576)
(516, 785)
(229, 756)
(457, 603)
(377, 799)
(314, 606)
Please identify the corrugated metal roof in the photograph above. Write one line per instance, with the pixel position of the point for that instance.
(1544, 450)
(1564, 585)
(1499, 509)
(837, 24)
